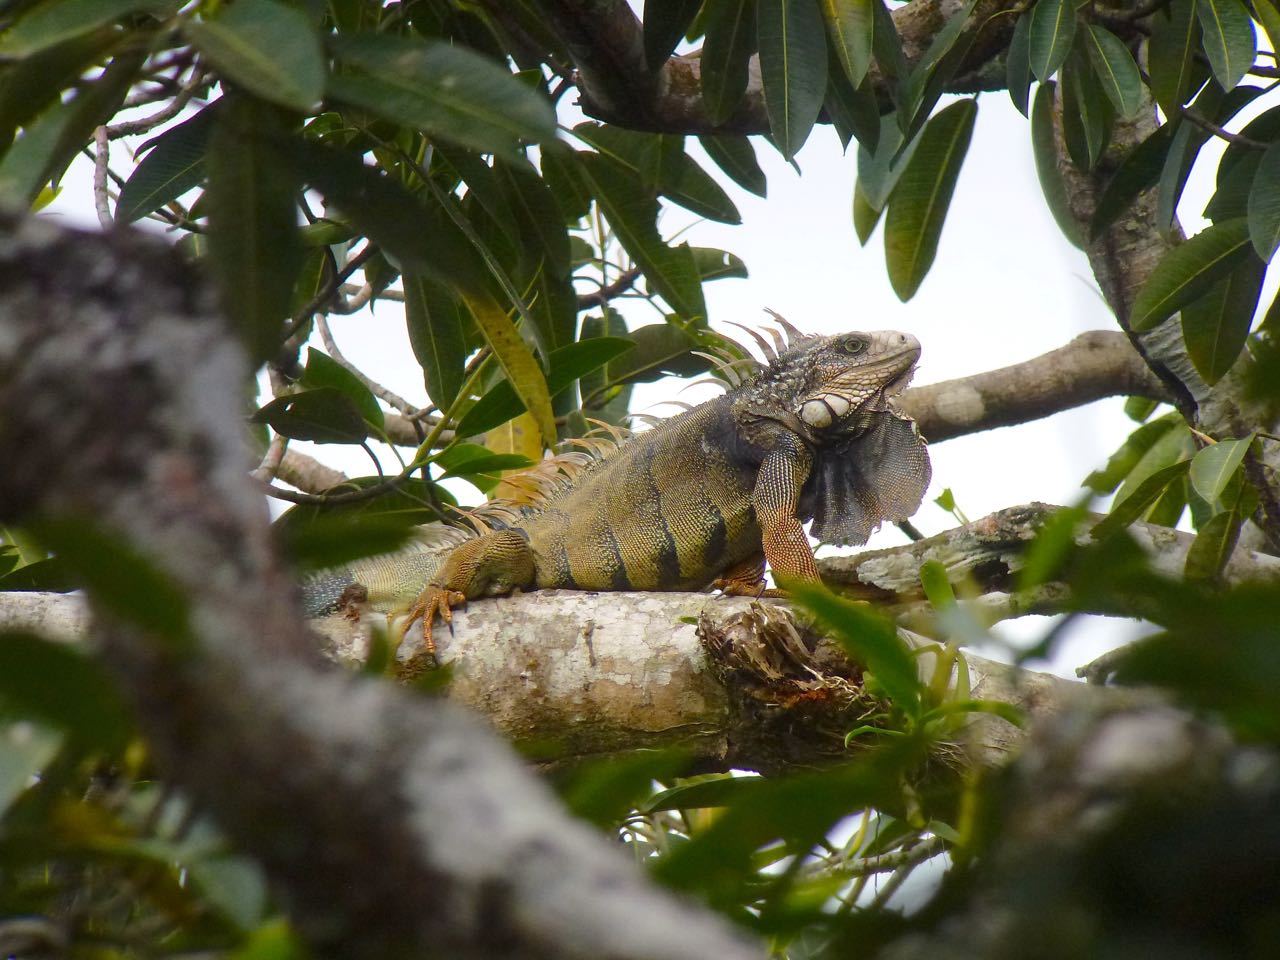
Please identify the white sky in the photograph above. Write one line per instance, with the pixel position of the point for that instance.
(1005, 287)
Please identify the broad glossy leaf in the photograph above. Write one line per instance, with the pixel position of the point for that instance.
(737, 158)
(1269, 16)
(878, 171)
(1264, 204)
(1114, 67)
(447, 91)
(1123, 461)
(174, 165)
(793, 69)
(716, 264)
(53, 22)
(533, 209)
(1213, 467)
(865, 216)
(1044, 148)
(324, 415)
(918, 205)
(887, 42)
(560, 171)
(851, 25)
(1018, 64)
(269, 48)
(1137, 173)
(1174, 446)
(568, 364)
(919, 93)
(47, 146)
(665, 22)
(870, 640)
(855, 113)
(633, 213)
(730, 41)
(254, 246)
(330, 540)
(59, 685)
(28, 87)
(1052, 31)
(490, 463)
(323, 371)
(1189, 270)
(45, 576)
(1133, 506)
(1229, 41)
(1171, 55)
(517, 361)
(1216, 325)
(661, 349)
(416, 235)
(1086, 115)
(1214, 543)
(437, 325)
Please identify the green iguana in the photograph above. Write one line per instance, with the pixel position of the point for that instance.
(702, 499)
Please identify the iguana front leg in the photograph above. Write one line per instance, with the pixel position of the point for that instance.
(489, 566)
(784, 470)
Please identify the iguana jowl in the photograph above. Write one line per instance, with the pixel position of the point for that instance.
(702, 499)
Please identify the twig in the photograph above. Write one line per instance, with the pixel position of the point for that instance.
(609, 291)
(175, 106)
(101, 165)
(326, 293)
(864, 866)
(266, 470)
(353, 291)
(1222, 132)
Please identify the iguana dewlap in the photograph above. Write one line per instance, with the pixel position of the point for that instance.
(701, 497)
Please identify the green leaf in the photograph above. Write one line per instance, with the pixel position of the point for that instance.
(1086, 113)
(1189, 270)
(661, 349)
(730, 41)
(568, 363)
(26, 749)
(269, 48)
(1114, 67)
(633, 214)
(489, 463)
(1131, 508)
(868, 639)
(47, 576)
(879, 171)
(665, 22)
(1231, 197)
(1171, 56)
(1264, 204)
(331, 540)
(1045, 150)
(438, 326)
(54, 22)
(447, 91)
(605, 791)
(1123, 461)
(1216, 325)
(174, 165)
(1214, 543)
(737, 158)
(516, 360)
(1018, 64)
(1213, 467)
(682, 181)
(1269, 16)
(234, 886)
(58, 685)
(887, 42)
(1173, 447)
(700, 793)
(1138, 172)
(119, 580)
(47, 146)
(323, 371)
(937, 587)
(1052, 30)
(851, 26)
(865, 216)
(1229, 41)
(792, 69)
(716, 264)
(1138, 409)
(324, 415)
(30, 86)
(854, 113)
(919, 202)
(254, 245)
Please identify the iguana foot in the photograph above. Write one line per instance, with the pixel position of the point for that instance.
(740, 588)
(431, 601)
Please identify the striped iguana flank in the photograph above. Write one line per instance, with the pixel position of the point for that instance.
(702, 499)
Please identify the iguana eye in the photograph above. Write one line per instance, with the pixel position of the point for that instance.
(853, 345)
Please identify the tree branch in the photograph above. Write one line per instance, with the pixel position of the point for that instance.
(393, 824)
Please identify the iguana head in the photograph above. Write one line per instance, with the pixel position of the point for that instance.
(836, 394)
(827, 388)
